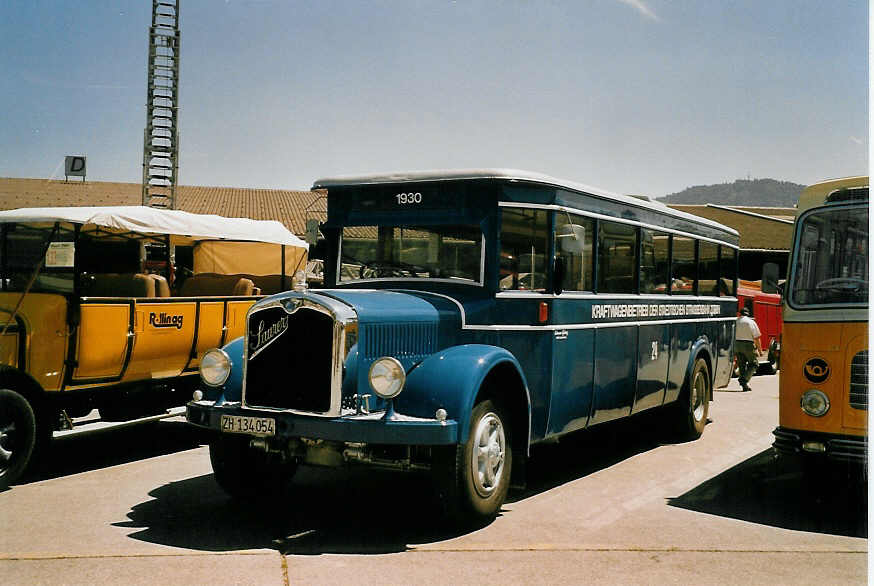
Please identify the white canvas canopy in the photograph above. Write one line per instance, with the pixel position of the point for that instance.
(148, 220)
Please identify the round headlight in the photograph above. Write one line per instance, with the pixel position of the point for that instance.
(387, 377)
(215, 367)
(815, 403)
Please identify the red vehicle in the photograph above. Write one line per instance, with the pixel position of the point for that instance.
(768, 313)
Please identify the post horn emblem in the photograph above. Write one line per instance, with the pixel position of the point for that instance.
(816, 370)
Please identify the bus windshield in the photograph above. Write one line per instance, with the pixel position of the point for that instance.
(831, 261)
(444, 252)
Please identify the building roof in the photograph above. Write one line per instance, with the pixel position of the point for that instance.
(760, 228)
(292, 208)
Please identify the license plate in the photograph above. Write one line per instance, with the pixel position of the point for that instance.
(264, 426)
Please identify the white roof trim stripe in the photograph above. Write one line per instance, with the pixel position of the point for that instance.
(157, 221)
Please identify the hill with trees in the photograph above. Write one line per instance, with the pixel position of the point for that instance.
(743, 192)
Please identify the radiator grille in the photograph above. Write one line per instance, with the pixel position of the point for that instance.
(859, 381)
(401, 340)
(292, 370)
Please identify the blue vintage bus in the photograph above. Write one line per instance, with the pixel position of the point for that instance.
(466, 316)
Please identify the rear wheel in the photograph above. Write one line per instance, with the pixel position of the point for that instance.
(245, 473)
(474, 477)
(17, 436)
(693, 406)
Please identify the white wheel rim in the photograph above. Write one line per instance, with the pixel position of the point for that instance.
(699, 396)
(489, 453)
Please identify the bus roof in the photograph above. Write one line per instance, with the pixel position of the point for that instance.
(816, 194)
(146, 220)
(511, 175)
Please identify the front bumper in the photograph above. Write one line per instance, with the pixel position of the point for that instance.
(371, 428)
(844, 448)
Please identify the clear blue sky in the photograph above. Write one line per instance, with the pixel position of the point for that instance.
(634, 96)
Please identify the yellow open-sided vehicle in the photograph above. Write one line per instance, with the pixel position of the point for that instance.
(824, 357)
(111, 308)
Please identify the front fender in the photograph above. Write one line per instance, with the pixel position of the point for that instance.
(451, 379)
(232, 390)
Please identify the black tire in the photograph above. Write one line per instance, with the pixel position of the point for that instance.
(245, 473)
(693, 406)
(769, 367)
(473, 478)
(17, 436)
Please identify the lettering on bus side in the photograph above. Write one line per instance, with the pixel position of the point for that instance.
(165, 320)
(638, 310)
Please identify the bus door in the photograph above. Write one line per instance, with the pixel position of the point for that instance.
(615, 373)
(164, 334)
(104, 338)
(652, 366)
(570, 401)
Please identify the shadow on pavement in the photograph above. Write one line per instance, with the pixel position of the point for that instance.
(325, 511)
(357, 510)
(112, 447)
(580, 454)
(777, 493)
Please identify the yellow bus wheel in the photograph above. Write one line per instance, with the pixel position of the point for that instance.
(17, 435)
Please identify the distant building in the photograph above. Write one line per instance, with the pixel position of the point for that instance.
(292, 208)
(765, 233)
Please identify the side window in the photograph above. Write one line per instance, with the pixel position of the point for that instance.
(573, 243)
(683, 268)
(31, 246)
(708, 268)
(727, 270)
(653, 261)
(524, 246)
(617, 258)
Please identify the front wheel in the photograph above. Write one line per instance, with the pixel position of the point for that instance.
(474, 477)
(17, 436)
(245, 473)
(693, 406)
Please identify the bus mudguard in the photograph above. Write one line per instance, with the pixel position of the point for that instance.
(701, 346)
(452, 378)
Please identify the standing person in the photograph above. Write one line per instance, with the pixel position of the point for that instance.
(746, 346)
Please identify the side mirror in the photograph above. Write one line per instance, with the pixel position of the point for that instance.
(770, 274)
(558, 274)
(571, 238)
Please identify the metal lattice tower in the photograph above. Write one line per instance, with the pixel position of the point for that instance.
(161, 140)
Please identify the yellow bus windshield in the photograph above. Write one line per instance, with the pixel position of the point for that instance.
(831, 259)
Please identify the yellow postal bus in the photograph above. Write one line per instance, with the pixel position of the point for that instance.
(95, 313)
(824, 357)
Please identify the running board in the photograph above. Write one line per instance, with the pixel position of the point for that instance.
(96, 425)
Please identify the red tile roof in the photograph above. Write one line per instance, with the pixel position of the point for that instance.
(292, 208)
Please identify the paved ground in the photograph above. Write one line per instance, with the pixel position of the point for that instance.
(614, 505)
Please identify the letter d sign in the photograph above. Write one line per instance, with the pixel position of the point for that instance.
(74, 166)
